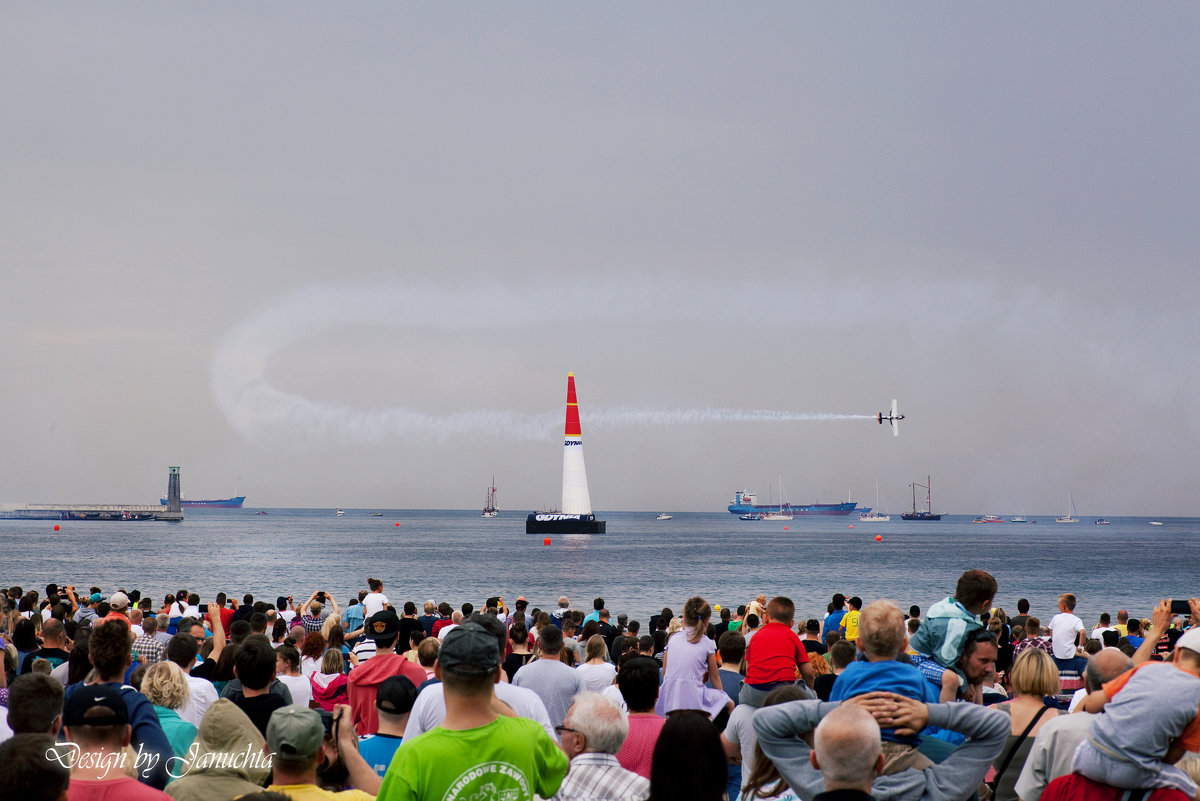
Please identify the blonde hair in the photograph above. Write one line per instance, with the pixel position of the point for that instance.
(1034, 673)
(330, 622)
(675, 625)
(696, 613)
(881, 629)
(596, 648)
(165, 684)
(333, 661)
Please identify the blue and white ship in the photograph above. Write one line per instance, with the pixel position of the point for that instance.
(746, 502)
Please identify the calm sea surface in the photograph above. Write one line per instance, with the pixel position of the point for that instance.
(639, 566)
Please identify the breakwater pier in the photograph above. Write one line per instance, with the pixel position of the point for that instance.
(86, 511)
(171, 510)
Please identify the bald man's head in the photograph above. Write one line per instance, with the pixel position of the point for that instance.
(1104, 666)
(846, 749)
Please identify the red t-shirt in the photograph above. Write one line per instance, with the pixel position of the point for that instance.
(775, 654)
(1075, 787)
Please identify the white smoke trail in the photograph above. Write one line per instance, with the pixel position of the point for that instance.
(261, 412)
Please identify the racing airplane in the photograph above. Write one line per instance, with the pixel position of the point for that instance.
(893, 419)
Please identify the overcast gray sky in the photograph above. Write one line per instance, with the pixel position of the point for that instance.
(345, 254)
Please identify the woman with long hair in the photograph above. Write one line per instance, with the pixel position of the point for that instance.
(596, 671)
(690, 659)
(688, 762)
(518, 640)
(1033, 677)
(329, 682)
(336, 638)
(761, 780)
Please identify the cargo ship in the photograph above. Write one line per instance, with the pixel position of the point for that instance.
(218, 503)
(746, 502)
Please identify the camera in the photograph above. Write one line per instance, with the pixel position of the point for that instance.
(321, 597)
(1181, 608)
(204, 609)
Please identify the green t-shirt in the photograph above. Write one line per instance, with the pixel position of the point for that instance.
(510, 759)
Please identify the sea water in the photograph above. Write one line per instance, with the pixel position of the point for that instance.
(638, 566)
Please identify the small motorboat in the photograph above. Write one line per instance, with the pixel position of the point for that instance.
(752, 516)
(1103, 522)
(339, 513)
(663, 516)
(1155, 523)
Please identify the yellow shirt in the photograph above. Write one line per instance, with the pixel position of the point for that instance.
(850, 625)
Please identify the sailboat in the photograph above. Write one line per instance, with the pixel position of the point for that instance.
(874, 515)
(1019, 518)
(1070, 516)
(927, 512)
(785, 508)
(489, 506)
(576, 516)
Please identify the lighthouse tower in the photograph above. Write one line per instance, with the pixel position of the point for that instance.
(576, 516)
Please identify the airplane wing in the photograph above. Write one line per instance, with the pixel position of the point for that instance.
(895, 418)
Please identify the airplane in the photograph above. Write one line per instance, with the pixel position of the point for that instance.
(893, 419)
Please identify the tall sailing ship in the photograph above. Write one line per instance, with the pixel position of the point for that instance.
(489, 506)
(927, 512)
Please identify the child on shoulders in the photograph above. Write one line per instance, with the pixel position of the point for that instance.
(949, 623)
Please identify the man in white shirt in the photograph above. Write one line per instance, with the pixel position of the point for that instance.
(548, 676)
(1066, 630)
(1105, 625)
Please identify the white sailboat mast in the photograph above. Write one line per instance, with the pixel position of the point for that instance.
(575, 497)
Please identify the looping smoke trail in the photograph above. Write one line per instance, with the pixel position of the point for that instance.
(263, 413)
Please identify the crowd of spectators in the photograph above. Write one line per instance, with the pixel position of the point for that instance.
(113, 696)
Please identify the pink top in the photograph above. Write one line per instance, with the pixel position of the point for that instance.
(638, 748)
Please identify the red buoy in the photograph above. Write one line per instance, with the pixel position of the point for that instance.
(879, 538)
(56, 526)
(546, 541)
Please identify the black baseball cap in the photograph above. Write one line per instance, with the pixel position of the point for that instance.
(383, 625)
(90, 697)
(396, 695)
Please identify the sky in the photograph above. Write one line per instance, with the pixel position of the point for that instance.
(346, 254)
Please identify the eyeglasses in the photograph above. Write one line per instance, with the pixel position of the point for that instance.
(560, 729)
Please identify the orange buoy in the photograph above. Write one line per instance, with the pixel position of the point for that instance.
(56, 526)
(879, 538)
(397, 524)
(785, 528)
(546, 541)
